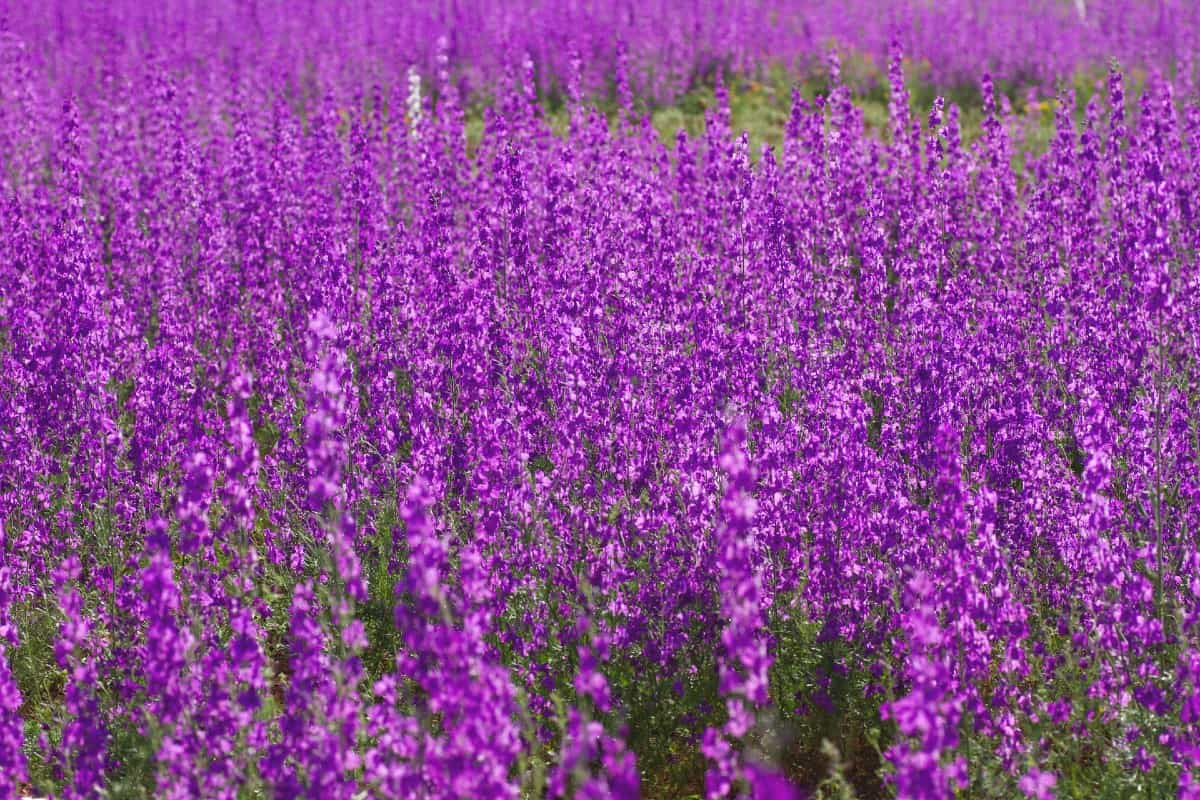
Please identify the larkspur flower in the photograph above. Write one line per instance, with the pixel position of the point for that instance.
(358, 418)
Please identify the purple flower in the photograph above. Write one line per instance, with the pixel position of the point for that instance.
(1038, 784)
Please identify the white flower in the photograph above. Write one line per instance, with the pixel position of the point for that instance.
(413, 104)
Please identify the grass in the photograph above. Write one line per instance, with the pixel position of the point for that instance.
(761, 105)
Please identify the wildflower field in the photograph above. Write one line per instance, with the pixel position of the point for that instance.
(672, 399)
